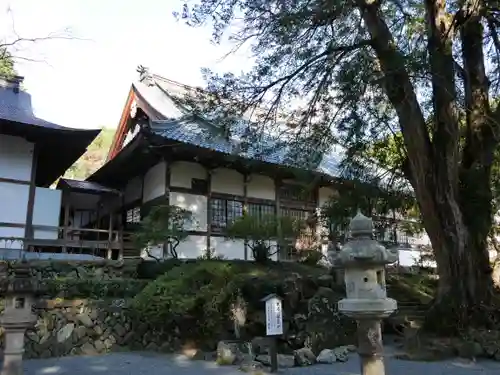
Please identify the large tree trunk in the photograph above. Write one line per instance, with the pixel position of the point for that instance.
(452, 187)
(465, 282)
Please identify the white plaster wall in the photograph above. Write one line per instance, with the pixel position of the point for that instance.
(261, 187)
(13, 202)
(133, 190)
(46, 212)
(325, 194)
(420, 239)
(192, 247)
(154, 182)
(197, 204)
(409, 258)
(16, 156)
(227, 181)
(229, 249)
(182, 172)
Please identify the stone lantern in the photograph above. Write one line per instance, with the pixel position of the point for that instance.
(17, 317)
(364, 260)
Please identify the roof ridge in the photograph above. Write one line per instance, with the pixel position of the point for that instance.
(173, 82)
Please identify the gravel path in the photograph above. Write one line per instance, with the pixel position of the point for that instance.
(152, 364)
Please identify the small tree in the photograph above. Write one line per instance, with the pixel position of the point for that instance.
(387, 208)
(163, 225)
(263, 233)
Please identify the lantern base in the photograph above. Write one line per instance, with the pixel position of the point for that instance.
(367, 308)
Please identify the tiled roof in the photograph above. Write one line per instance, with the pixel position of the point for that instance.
(178, 125)
(16, 107)
(87, 185)
(194, 132)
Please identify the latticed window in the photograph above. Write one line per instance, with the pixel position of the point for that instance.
(295, 214)
(224, 212)
(403, 238)
(260, 210)
(296, 193)
(133, 215)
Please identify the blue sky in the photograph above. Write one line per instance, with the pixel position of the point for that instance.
(84, 83)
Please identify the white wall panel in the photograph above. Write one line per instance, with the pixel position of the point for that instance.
(229, 249)
(16, 157)
(13, 202)
(46, 212)
(182, 172)
(197, 204)
(227, 181)
(261, 187)
(154, 182)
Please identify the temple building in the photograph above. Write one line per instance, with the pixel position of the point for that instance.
(33, 154)
(163, 153)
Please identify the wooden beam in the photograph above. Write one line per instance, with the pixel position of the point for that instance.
(246, 180)
(14, 181)
(209, 206)
(110, 231)
(277, 212)
(12, 225)
(121, 131)
(168, 176)
(120, 230)
(28, 232)
(168, 172)
(66, 218)
(143, 177)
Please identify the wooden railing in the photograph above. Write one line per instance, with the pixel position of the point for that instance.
(72, 240)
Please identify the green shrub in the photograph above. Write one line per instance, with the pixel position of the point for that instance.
(195, 297)
(199, 294)
(92, 288)
(311, 257)
(196, 292)
(151, 269)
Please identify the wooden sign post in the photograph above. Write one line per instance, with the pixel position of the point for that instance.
(274, 325)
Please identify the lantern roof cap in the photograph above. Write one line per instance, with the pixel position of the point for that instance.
(361, 225)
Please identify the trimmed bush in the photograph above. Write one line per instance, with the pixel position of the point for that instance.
(196, 298)
(92, 288)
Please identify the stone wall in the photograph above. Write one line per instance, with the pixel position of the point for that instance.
(84, 327)
(100, 270)
(84, 308)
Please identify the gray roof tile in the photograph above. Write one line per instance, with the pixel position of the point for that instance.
(87, 185)
(179, 126)
(16, 107)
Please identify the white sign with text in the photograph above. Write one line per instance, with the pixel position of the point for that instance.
(274, 316)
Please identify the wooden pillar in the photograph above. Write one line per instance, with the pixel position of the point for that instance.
(209, 206)
(110, 233)
(168, 173)
(97, 221)
(120, 230)
(28, 229)
(66, 195)
(277, 212)
(246, 180)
